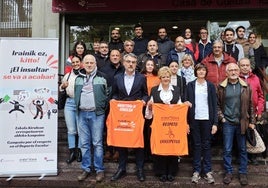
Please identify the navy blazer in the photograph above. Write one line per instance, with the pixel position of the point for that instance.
(212, 102)
(137, 92)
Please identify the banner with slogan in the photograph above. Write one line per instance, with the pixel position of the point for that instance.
(169, 129)
(28, 109)
(125, 124)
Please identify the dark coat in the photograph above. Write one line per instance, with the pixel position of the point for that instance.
(247, 110)
(138, 90)
(212, 102)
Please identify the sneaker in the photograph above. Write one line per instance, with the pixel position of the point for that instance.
(228, 178)
(100, 176)
(243, 179)
(195, 177)
(83, 176)
(209, 178)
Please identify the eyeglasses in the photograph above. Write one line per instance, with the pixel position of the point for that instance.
(129, 61)
(233, 70)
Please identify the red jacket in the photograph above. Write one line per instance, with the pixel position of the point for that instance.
(257, 93)
(217, 74)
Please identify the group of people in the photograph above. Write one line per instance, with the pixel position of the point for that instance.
(221, 82)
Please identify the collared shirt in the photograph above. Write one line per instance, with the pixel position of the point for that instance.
(219, 61)
(166, 95)
(201, 101)
(174, 80)
(87, 100)
(128, 81)
(201, 42)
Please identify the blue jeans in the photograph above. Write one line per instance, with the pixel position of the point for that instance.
(71, 119)
(229, 133)
(201, 136)
(90, 130)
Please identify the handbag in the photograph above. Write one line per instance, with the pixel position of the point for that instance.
(250, 136)
(259, 148)
(62, 96)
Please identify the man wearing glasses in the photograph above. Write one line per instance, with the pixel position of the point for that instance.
(204, 45)
(236, 114)
(130, 86)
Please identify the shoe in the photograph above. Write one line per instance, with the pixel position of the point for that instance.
(170, 178)
(209, 178)
(116, 156)
(243, 179)
(72, 156)
(195, 177)
(163, 178)
(140, 175)
(228, 178)
(78, 155)
(107, 156)
(100, 176)
(119, 174)
(83, 176)
(255, 162)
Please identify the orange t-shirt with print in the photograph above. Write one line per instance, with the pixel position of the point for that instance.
(169, 129)
(125, 124)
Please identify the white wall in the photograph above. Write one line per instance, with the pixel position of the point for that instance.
(45, 24)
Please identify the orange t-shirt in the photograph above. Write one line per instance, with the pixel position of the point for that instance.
(169, 129)
(151, 81)
(125, 124)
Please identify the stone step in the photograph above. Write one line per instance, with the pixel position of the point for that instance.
(67, 177)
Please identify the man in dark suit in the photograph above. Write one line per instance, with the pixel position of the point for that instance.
(130, 86)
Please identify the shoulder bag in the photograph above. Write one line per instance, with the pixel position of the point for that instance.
(62, 97)
(259, 147)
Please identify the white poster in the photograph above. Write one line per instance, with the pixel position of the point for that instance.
(28, 113)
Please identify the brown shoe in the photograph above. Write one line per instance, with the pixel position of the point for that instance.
(116, 156)
(83, 176)
(100, 176)
(228, 178)
(107, 156)
(243, 179)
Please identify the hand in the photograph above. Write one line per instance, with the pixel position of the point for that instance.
(214, 129)
(223, 120)
(188, 129)
(252, 126)
(258, 117)
(64, 84)
(144, 103)
(188, 103)
(149, 104)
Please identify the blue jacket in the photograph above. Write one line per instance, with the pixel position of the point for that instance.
(101, 91)
(140, 45)
(173, 56)
(204, 50)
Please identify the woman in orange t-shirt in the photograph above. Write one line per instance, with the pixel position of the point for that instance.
(149, 70)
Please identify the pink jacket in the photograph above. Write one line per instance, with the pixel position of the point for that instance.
(257, 93)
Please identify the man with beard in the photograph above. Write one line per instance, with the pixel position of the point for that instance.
(164, 43)
(116, 43)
